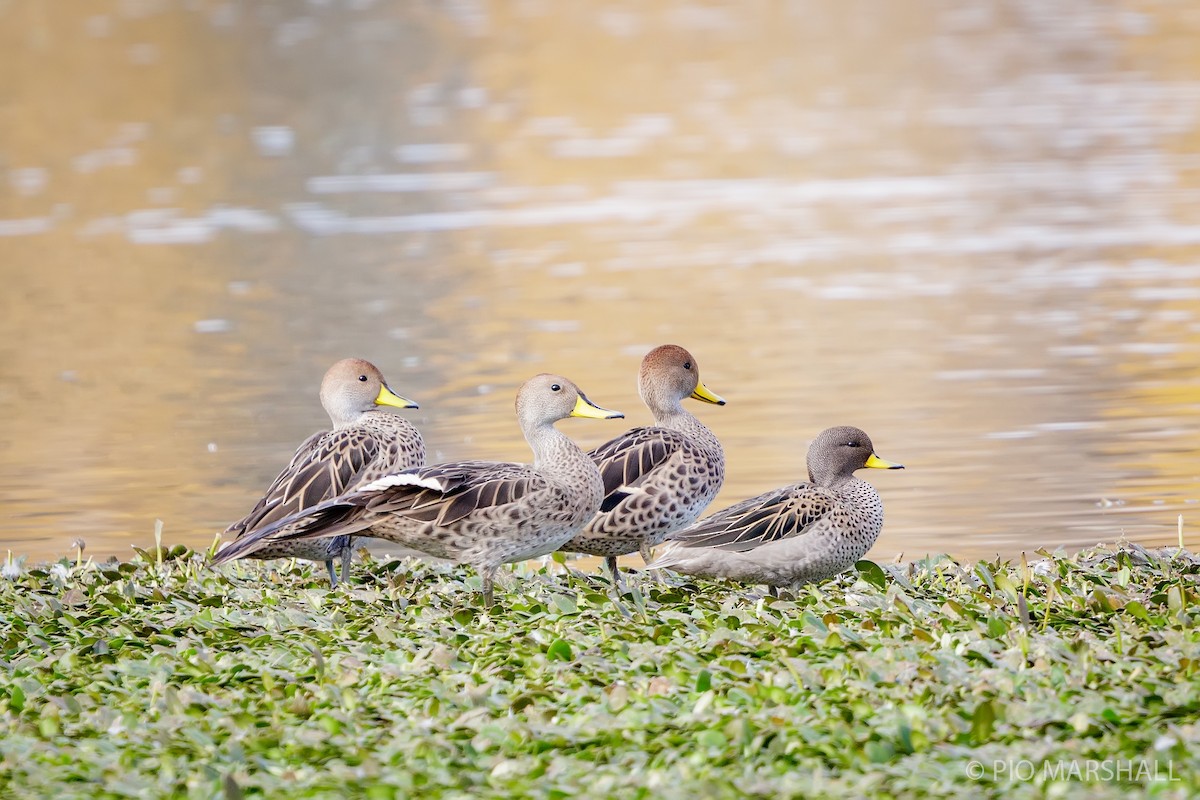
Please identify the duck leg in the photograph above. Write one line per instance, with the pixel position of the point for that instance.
(611, 563)
(333, 580)
(347, 555)
(489, 581)
(617, 587)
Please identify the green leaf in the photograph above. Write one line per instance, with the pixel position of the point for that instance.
(985, 574)
(983, 721)
(1005, 584)
(16, 698)
(872, 573)
(703, 681)
(559, 650)
(879, 752)
(1135, 609)
(1099, 600)
(565, 604)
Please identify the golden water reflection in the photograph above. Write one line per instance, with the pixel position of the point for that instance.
(972, 231)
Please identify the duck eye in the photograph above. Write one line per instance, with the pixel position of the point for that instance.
(687, 365)
(853, 443)
(554, 387)
(362, 378)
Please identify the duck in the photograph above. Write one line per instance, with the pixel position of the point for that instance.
(366, 442)
(658, 479)
(803, 533)
(480, 513)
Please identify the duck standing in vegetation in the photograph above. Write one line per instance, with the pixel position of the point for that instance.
(482, 513)
(657, 479)
(366, 443)
(802, 533)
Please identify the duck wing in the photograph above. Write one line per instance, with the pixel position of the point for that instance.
(324, 466)
(628, 460)
(445, 493)
(780, 514)
(441, 494)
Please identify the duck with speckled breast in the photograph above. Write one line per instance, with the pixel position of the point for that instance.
(803, 533)
(657, 479)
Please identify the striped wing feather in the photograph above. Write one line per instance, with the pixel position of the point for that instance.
(324, 466)
(466, 487)
(626, 460)
(767, 518)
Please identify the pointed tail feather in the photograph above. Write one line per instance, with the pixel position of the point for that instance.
(324, 520)
(667, 558)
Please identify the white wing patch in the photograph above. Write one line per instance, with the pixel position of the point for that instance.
(402, 479)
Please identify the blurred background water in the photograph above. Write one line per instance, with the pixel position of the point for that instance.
(970, 228)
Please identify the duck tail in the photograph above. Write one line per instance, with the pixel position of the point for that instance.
(666, 558)
(324, 520)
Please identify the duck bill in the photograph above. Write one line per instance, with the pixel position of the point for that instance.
(586, 408)
(704, 394)
(875, 462)
(389, 398)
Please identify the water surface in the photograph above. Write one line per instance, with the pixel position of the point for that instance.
(972, 230)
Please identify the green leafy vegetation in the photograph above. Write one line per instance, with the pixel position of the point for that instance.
(162, 677)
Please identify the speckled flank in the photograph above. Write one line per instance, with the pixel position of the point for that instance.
(657, 479)
(563, 494)
(802, 533)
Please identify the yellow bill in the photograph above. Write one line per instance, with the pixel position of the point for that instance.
(705, 394)
(586, 408)
(875, 462)
(389, 398)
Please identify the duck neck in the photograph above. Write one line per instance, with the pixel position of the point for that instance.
(558, 458)
(553, 450)
(830, 479)
(344, 418)
(359, 417)
(677, 418)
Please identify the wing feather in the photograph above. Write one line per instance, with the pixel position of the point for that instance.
(323, 467)
(629, 459)
(770, 517)
(464, 488)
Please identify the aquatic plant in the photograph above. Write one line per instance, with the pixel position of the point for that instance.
(161, 677)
